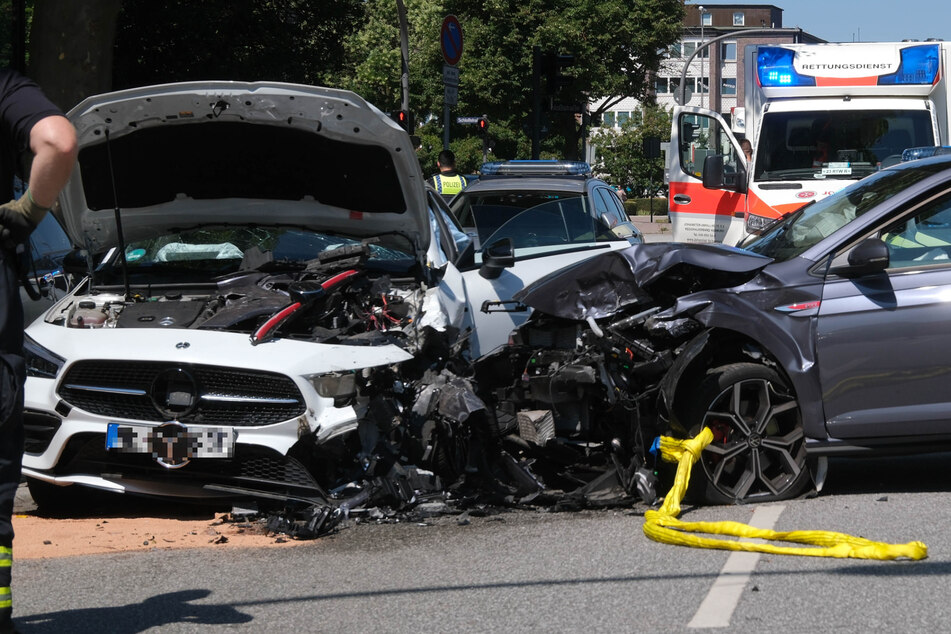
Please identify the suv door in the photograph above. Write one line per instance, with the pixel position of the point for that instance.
(881, 338)
(705, 209)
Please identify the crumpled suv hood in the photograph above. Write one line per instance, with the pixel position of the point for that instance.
(182, 155)
(603, 285)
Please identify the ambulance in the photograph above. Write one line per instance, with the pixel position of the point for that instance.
(818, 117)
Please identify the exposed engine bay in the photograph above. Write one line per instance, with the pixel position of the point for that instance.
(335, 298)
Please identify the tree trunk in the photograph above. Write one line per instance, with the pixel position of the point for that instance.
(71, 48)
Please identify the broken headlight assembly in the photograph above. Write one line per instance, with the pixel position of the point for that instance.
(40, 362)
(340, 386)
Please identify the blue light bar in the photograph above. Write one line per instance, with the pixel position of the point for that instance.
(919, 65)
(774, 68)
(914, 153)
(524, 167)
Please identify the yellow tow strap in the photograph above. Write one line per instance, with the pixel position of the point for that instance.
(663, 526)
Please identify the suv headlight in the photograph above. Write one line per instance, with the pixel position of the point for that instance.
(40, 362)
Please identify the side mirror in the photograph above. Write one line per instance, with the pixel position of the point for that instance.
(713, 171)
(870, 256)
(497, 257)
(714, 176)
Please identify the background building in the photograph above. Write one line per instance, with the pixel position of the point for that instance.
(715, 76)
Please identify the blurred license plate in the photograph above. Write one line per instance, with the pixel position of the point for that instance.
(172, 444)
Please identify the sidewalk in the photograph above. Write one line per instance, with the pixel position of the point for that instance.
(656, 231)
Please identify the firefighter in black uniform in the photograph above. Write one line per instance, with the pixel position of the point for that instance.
(38, 145)
(447, 182)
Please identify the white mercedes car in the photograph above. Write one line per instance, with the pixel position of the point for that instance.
(265, 280)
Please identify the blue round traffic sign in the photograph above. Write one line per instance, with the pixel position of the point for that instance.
(450, 37)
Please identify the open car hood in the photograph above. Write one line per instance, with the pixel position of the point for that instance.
(175, 156)
(601, 286)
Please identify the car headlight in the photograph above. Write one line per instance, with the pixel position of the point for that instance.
(340, 386)
(40, 362)
(755, 224)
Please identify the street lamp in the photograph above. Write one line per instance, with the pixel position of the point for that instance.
(701, 55)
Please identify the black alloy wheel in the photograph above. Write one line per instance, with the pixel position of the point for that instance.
(758, 453)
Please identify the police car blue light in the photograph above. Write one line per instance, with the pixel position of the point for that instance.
(525, 167)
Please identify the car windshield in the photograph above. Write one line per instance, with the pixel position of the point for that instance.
(483, 214)
(203, 253)
(798, 231)
(844, 144)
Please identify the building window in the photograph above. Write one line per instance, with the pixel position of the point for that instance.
(660, 86)
(702, 84)
(622, 118)
(728, 86)
(690, 47)
(738, 19)
(675, 50)
(608, 120)
(706, 19)
(728, 51)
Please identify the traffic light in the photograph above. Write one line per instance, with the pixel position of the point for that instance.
(482, 125)
(403, 118)
(553, 65)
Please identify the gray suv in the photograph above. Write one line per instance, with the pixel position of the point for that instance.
(826, 334)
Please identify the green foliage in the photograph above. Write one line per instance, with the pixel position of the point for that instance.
(248, 40)
(7, 28)
(615, 43)
(621, 153)
(355, 44)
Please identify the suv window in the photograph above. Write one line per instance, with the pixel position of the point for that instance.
(922, 239)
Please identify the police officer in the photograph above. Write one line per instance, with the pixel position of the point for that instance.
(38, 145)
(447, 182)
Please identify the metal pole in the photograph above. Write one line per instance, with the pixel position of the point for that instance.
(701, 57)
(404, 54)
(536, 102)
(445, 126)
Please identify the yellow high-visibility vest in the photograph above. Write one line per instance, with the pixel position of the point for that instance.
(449, 184)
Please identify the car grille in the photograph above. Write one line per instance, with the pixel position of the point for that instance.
(252, 469)
(189, 393)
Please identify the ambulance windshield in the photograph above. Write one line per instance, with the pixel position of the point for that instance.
(842, 145)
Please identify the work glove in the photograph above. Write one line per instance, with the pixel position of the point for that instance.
(18, 219)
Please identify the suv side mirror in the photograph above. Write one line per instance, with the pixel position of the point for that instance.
(497, 257)
(870, 256)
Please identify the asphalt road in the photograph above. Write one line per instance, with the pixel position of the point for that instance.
(531, 572)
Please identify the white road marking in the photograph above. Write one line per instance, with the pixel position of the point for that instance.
(717, 607)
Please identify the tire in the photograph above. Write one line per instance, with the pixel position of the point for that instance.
(52, 498)
(758, 453)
